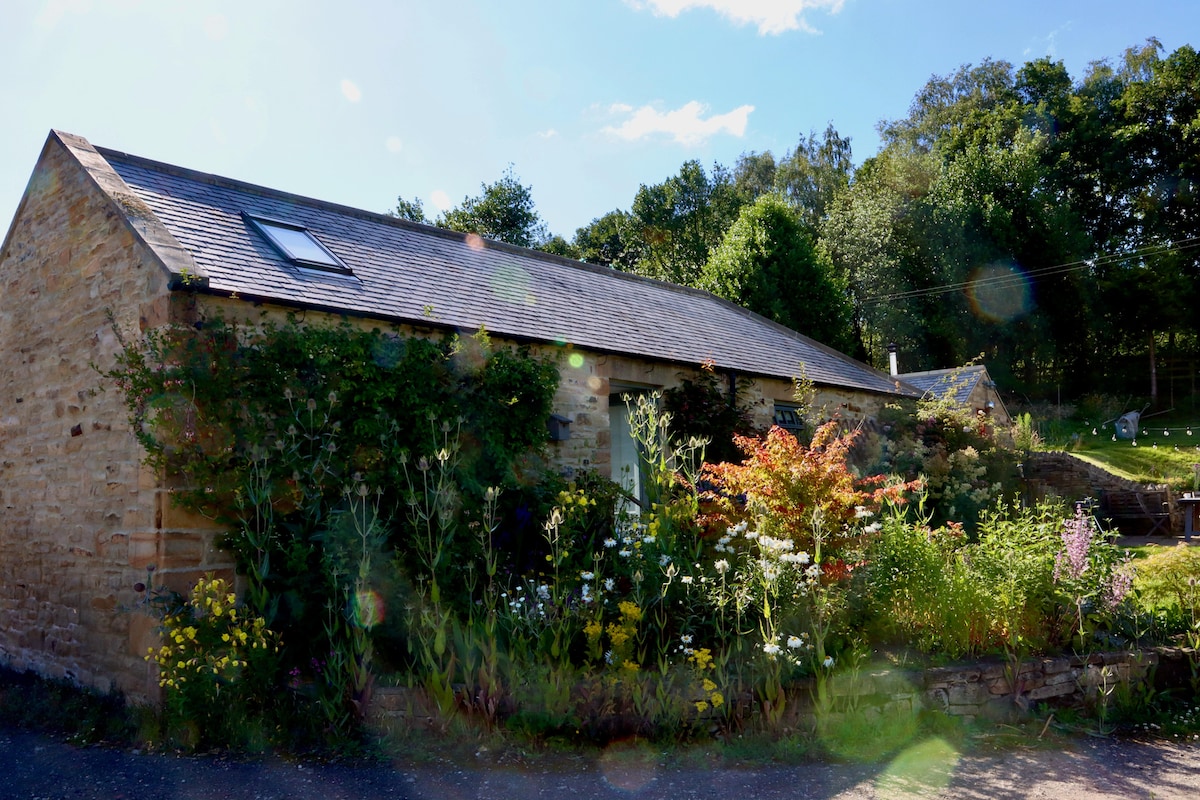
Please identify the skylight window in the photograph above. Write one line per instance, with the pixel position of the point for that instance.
(298, 245)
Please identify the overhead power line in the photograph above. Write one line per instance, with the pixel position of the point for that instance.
(1018, 277)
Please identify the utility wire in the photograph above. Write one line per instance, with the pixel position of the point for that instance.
(1017, 278)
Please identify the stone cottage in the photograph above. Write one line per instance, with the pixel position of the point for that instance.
(970, 387)
(102, 238)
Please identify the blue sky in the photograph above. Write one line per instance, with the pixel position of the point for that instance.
(359, 101)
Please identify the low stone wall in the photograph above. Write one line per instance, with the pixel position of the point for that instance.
(982, 691)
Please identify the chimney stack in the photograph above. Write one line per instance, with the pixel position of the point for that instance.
(892, 359)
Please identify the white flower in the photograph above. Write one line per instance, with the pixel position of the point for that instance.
(724, 540)
(828, 662)
(721, 566)
(873, 527)
(608, 657)
(543, 591)
(626, 553)
(610, 542)
(862, 511)
(752, 535)
(587, 576)
(686, 638)
(813, 571)
(627, 540)
(609, 583)
(770, 648)
(686, 579)
(794, 642)
(663, 560)
(648, 539)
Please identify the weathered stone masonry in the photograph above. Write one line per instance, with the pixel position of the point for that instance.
(80, 519)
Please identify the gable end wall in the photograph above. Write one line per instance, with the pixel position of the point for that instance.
(80, 518)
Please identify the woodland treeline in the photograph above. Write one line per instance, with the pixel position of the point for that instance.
(1047, 223)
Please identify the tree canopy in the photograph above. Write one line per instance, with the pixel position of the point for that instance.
(767, 262)
(1050, 223)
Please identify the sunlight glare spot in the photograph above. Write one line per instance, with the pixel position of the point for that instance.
(474, 241)
(351, 91)
(368, 608)
(575, 360)
(999, 293)
(919, 771)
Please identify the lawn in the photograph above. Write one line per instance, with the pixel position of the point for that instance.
(1164, 454)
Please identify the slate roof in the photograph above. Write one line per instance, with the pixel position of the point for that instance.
(418, 274)
(937, 382)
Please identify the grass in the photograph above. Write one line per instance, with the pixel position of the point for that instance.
(1156, 458)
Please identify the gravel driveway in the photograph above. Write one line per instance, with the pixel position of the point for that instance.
(35, 766)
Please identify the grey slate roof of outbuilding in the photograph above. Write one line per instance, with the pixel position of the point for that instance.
(937, 382)
(417, 274)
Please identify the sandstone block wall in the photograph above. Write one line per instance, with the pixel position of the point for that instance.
(81, 520)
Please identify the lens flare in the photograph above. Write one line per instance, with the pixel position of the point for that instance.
(629, 765)
(999, 293)
(369, 608)
(511, 284)
(919, 770)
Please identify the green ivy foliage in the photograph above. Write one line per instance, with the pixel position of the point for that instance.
(276, 429)
(204, 399)
(701, 407)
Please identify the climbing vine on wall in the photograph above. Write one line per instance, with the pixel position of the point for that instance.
(312, 444)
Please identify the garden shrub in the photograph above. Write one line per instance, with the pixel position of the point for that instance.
(286, 432)
(1166, 586)
(1034, 580)
(214, 663)
(965, 463)
(699, 407)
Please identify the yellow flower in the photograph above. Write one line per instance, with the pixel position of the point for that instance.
(701, 706)
(708, 685)
(630, 611)
(702, 658)
(717, 699)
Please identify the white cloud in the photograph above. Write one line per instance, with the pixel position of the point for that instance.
(440, 200)
(394, 144)
(351, 91)
(549, 133)
(685, 125)
(771, 16)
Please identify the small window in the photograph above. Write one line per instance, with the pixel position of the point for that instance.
(788, 417)
(297, 244)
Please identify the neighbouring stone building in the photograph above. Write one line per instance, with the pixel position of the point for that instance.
(102, 240)
(971, 387)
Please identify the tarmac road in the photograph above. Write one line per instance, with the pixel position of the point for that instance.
(35, 767)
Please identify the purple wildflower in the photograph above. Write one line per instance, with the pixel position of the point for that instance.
(1072, 560)
(1119, 585)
